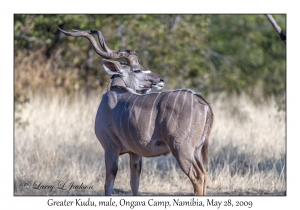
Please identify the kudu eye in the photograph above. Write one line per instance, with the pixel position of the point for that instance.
(137, 71)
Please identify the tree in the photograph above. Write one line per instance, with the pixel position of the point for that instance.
(207, 53)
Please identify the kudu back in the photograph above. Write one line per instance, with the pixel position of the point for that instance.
(132, 120)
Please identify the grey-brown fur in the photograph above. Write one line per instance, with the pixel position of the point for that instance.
(132, 120)
(156, 124)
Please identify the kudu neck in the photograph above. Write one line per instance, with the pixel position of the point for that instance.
(117, 81)
(120, 83)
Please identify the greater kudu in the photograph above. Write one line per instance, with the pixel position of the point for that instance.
(132, 120)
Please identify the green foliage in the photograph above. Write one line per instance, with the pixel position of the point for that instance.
(255, 56)
(207, 53)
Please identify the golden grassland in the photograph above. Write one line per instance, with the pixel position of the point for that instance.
(247, 151)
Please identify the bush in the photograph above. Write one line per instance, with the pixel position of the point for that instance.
(207, 53)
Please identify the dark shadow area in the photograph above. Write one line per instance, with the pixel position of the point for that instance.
(241, 163)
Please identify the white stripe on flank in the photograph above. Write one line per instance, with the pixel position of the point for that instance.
(166, 104)
(205, 127)
(122, 118)
(129, 117)
(173, 107)
(183, 101)
(132, 140)
(203, 138)
(182, 105)
(151, 116)
(191, 118)
(137, 116)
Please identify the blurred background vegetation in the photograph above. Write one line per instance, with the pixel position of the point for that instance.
(207, 53)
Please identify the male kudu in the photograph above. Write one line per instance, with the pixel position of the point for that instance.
(132, 120)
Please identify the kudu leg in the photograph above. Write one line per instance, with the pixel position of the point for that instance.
(201, 167)
(111, 164)
(135, 172)
(193, 168)
(195, 174)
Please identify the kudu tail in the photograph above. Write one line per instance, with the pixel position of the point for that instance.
(207, 129)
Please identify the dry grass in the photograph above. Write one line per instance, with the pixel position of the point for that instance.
(247, 151)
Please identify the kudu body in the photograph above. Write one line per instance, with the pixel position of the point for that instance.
(132, 120)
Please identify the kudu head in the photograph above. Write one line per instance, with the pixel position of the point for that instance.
(131, 75)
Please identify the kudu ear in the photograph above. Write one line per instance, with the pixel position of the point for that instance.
(112, 67)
